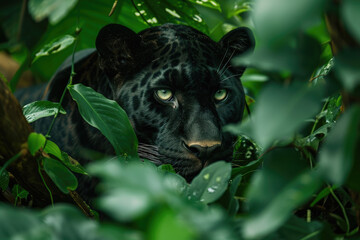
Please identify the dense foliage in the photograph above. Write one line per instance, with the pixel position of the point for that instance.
(295, 169)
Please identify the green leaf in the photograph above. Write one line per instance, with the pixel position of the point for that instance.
(206, 3)
(288, 107)
(39, 109)
(325, 192)
(285, 17)
(167, 225)
(4, 179)
(211, 183)
(337, 155)
(275, 191)
(19, 192)
(347, 68)
(53, 149)
(350, 13)
(178, 11)
(72, 164)
(167, 168)
(60, 175)
(107, 116)
(21, 224)
(234, 203)
(35, 142)
(54, 10)
(56, 45)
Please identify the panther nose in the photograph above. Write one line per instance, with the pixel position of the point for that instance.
(202, 149)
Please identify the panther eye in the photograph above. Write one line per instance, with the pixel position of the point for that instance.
(220, 94)
(164, 94)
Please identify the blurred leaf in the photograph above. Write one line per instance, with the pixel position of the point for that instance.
(19, 192)
(288, 107)
(53, 149)
(277, 18)
(35, 142)
(54, 10)
(68, 223)
(211, 183)
(4, 180)
(107, 116)
(178, 11)
(297, 228)
(281, 186)
(234, 203)
(299, 54)
(72, 164)
(168, 225)
(55, 46)
(60, 175)
(39, 109)
(347, 67)
(337, 155)
(21, 224)
(350, 14)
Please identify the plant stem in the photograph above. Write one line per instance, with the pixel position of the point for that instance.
(43, 180)
(342, 209)
(11, 160)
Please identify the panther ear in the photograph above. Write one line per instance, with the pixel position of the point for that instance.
(236, 42)
(119, 49)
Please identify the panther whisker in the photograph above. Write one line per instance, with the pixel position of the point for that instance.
(218, 69)
(235, 75)
(149, 152)
(225, 67)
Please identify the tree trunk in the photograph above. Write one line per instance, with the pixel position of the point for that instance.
(14, 131)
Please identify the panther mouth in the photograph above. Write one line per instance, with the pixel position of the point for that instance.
(185, 164)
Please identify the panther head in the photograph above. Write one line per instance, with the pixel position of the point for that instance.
(178, 88)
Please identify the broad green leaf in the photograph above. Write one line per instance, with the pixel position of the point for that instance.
(337, 155)
(211, 182)
(35, 142)
(4, 179)
(166, 224)
(55, 46)
(72, 164)
(178, 11)
(39, 109)
(107, 116)
(350, 14)
(60, 175)
(54, 10)
(289, 108)
(53, 149)
(275, 191)
(207, 3)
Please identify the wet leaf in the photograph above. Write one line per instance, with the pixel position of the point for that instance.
(55, 46)
(211, 183)
(39, 109)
